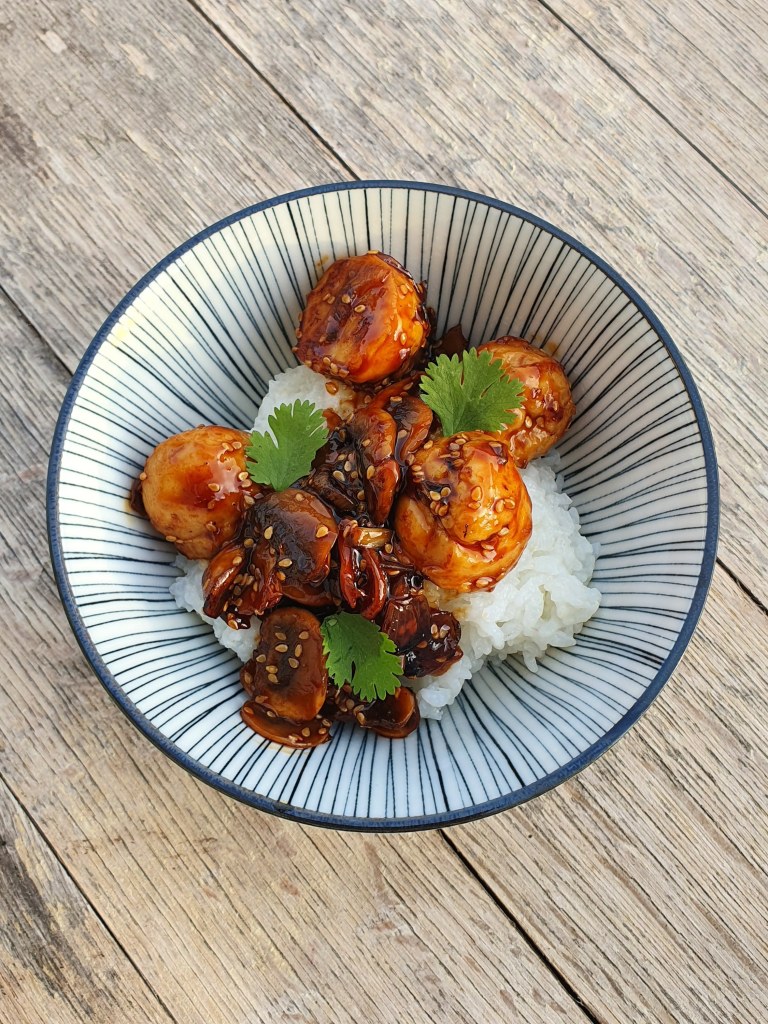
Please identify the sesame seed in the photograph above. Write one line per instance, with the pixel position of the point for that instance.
(483, 581)
(272, 669)
(249, 500)
(342, 372)
(476, 493)
(297, 651)
(404, 289)
(434, 495)
(499, 505)
(360, 495)
(433, 629)
(248, 542)
(214, 487)
(388, 549)
(212, 503)
(360, 718)
(303, 635)
(271, 714)
(293, 663)
(142, 476)
(244, 475)
(504, 531)
(261, 659)
(299, 496)
(428, 445)
(402, 433)
(297, 332)
(370, 472)
(171, 538)
(334, 368)
(272, 679)
(327, 297)
(367, 442)
(280, 575)
(268, 533)
(528, 422)
(237, 560)
(348, 466)
(305, 731)
(281, 648)
(247, 678)
(285, 562)
(331, 387)
(293, 738)
(210, 527)
(280, 636)
(346, 299)
(442, 511)
(326, 723)
(337, 475)
(326, 361)
(237, 445)
(396, 399)
(360, 308)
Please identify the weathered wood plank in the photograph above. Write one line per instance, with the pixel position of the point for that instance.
(647, 877)
(229, 914)
(57, 961)
(703, 65)
(511, 103)
(124, 129)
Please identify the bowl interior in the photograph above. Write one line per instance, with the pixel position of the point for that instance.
(198, 340)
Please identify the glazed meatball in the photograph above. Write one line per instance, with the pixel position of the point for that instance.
(364, 322)
(547, 406)
(465, 517)
(194, 488)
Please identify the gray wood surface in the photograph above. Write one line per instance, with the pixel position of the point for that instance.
(636, 892)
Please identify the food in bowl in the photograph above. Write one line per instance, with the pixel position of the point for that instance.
(371, 546)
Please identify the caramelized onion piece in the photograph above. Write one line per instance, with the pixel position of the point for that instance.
(547, 406)
(280, 730)
(465, 517)
(396, 716)
(287, 671)
(364, 321)
(193, 488)
(362, 581)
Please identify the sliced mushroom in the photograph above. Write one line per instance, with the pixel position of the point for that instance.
(301, 736)
(287, 672)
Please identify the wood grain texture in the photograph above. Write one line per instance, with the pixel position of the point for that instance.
(124, 129)
(507, 101)
(704, 66)
(230, 915)
(57, 961)
(646, 878)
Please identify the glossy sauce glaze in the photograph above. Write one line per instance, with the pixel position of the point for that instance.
(387, 502)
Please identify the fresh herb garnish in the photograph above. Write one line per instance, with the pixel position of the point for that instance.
(359, 653)
(299, 432)
(471, 393)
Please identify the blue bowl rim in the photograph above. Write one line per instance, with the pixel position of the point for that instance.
(366, 824)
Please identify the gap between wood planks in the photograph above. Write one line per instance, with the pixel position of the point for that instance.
(88, 903)
(216, 28)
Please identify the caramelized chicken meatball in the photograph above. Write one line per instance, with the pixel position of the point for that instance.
(364, 322)
(465, 517)
(194, 486)
(546, 408)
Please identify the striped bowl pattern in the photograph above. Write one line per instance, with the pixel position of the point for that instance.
(197, 341)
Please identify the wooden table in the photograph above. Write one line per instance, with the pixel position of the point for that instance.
(637, 891)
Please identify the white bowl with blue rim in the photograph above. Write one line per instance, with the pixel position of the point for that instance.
(197, 341)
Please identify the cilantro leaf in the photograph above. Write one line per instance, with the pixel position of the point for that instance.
(471, 393)
(359, 653)
(299, 431)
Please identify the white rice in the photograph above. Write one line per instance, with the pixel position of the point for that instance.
(543, 602)
(187, 591)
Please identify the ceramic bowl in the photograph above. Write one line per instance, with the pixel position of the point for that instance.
(197, 341)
